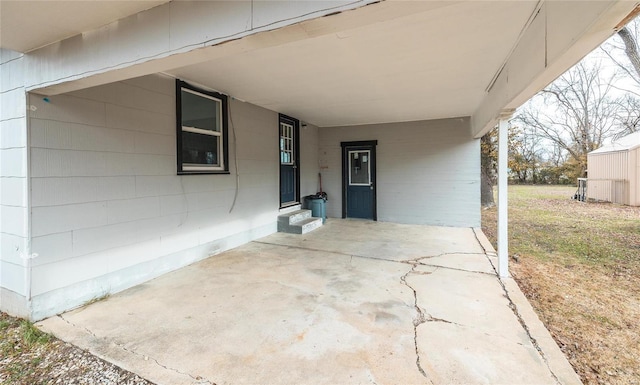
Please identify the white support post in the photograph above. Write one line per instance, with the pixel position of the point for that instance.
(503, 221)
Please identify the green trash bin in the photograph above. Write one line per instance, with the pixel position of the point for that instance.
(317, 205)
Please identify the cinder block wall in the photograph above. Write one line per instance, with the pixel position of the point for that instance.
(109, 211)
(428, 172)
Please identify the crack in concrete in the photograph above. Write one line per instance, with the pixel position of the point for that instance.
(419, 259)
(514, 309)
(431, 318)
(199, 379)
(415, 261)
(419, 262)
(77, 326)
(456, 269)
(420, 319)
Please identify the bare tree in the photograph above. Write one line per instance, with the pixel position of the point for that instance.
(525, 154)
(622, 50)
(628, 116)
(577, 112)
(631, 50)
(488, 164)
(556, 156)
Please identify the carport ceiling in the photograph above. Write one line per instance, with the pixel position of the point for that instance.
(433, 62)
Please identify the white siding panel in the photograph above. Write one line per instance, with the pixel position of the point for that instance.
(173, 204)
(13, 220)
(51, 248)
(97, 189)
(132, 209)
(13, 248)
(57, 219)
(63, 135)
(118, 164)
(145, 164)
(187, 24)
(13, 191)
(48, 163)
(13, 104)
(13, 162)
(50, 134)
(69, 109)
(12, 277)
(268, 12)
(131, 96)
(13, 184)
(91, 240)
(7, 55)
(61, 191)
(11, 75)
(158, 185)
(13, 133)
(154, 144)
(255, 145)
(101, 139)
(309, 183)
(139, 120)
(66, 272)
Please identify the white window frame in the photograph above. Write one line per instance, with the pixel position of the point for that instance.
(287, 139)
(368, 166)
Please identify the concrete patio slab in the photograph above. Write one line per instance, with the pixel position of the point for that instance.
(351, 303)
(382, 240)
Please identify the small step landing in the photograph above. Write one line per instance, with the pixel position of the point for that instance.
(298, 222)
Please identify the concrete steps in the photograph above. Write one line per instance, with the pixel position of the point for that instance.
(298, 222)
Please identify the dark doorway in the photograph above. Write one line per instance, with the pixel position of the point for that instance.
(359, 179)
(289, 140)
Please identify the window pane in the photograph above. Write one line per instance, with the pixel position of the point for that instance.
(359, 165)
(200, 112)
(200, 149)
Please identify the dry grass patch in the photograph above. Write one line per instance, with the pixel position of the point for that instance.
(30, 357)
(579, 265)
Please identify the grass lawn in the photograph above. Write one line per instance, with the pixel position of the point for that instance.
(579, 265)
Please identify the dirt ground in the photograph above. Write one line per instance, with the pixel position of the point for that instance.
(579, 266)
(31, 357)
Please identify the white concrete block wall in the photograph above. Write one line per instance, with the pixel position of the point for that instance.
(428, 172)
(108, 210)
(13, 186)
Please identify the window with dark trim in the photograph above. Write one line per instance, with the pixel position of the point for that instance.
(201, 131)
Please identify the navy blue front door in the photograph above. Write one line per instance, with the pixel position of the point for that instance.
(359, 199)
(289, 171)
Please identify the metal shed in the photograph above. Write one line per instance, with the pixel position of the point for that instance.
(614, 172)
